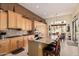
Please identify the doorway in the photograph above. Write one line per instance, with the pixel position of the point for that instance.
(75, 31)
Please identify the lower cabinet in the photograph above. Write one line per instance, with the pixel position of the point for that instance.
(35, 48)
(20, 42)
(26, 41)
(4, 46)
(11, 44)
(16, 43)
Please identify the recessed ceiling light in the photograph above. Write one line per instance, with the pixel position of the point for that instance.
(37, 6)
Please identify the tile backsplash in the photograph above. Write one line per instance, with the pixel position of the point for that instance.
(15, 33)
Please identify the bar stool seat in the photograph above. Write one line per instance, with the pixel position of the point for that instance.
(52, 49)
(49, 50)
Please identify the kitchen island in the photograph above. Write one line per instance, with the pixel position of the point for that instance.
(35, 47)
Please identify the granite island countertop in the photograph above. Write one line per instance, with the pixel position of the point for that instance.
(44, 40)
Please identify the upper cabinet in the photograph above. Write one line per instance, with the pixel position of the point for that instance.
(11, 19)
(41, 27)
(20, 22)
(3, 20)
(28, 24)
(14, 17)
(23, 21)
(37, 25)
(16, 20)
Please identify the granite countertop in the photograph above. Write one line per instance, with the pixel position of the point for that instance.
(15, 36)
(44, 40)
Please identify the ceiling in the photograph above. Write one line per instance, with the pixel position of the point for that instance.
(47, 10)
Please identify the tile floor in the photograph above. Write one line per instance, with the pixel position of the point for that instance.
(66, 50)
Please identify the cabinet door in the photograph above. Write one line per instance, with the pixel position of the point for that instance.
(28, 24)
(46, 30)
(19, 20)
(11, 19)
(23, 23)
(41, 27)
(4, 46)
(13, 44)
(37, 25)
(3, 20)
(26, 41)
(20, 42)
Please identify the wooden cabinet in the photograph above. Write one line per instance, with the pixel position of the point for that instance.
(35, 48)
(46, 30)
(26, 38)
(13, 44)
(16, 43)
(3, 20)
(28, 24)
(16, 20)
(20, 42)
(23, 23)
(19, 21)
(4, 46)
(37, 25)
(11, 19)
(42, 28)
(25, 41)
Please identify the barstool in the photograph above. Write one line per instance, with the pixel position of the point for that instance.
(52, 49)
(49, 50)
